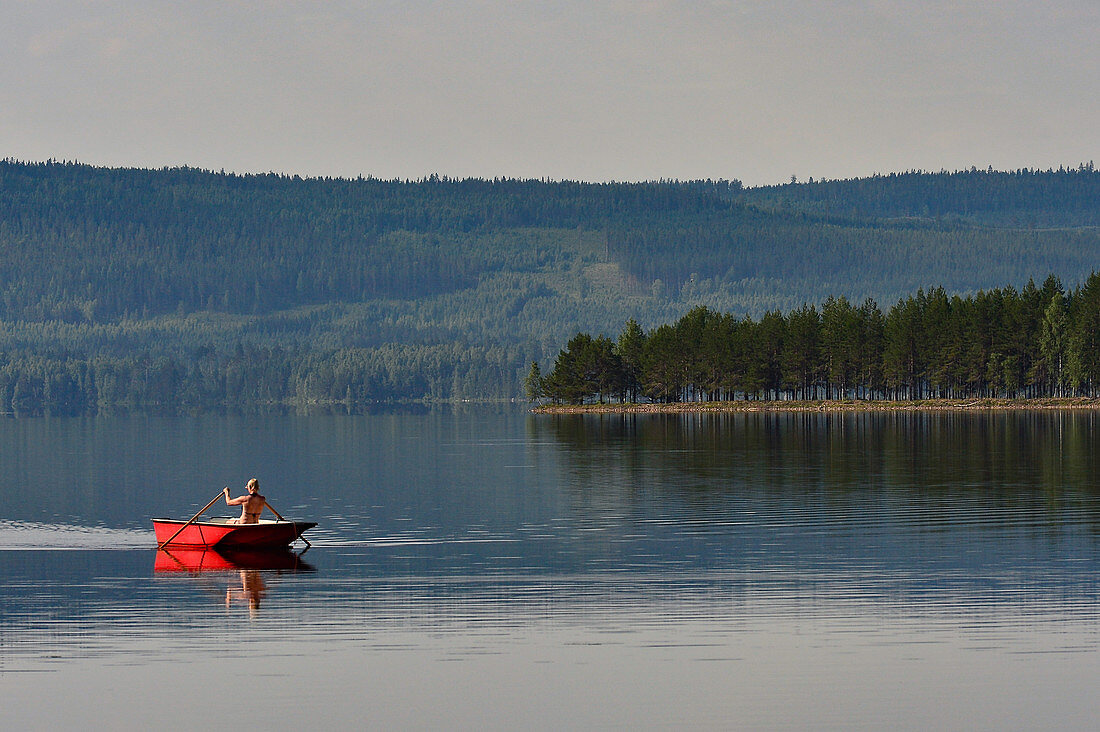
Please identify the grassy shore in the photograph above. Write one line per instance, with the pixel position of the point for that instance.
(833, 405)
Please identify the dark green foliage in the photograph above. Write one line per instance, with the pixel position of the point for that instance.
(587, 368)
(1000, 343)
(534, 387)
(250, 377)
(664, 367)
(630, 348)
(1063, 197)
(188, 288)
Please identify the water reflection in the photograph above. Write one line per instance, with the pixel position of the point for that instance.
(221, 560)
(682, 569)
(251, 591)
(1010, 455)
(247, 565)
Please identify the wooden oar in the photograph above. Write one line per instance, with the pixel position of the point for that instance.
(280, 517)
(200, 513)
(277, 514)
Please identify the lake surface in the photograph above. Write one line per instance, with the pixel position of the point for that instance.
(487, 568)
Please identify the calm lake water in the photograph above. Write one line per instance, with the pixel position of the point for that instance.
(493, 569)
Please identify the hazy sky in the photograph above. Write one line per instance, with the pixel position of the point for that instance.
(619, 90)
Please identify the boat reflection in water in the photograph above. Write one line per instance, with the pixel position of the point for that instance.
(249, 566)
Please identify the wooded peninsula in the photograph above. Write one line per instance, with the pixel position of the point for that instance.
(1040, 342)
(1037, 342)
(180, 288)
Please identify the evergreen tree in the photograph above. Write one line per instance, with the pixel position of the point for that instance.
(629, 348)
(533, 387)
(1052, 344)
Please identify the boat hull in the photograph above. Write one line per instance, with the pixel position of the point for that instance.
(223, 535)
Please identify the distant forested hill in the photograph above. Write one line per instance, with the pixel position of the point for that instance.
(83, 243)
(1032, 198)
(182, 287)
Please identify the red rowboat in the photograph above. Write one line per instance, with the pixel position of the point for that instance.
(218, 532)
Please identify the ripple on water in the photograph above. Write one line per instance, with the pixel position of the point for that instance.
(28, 535)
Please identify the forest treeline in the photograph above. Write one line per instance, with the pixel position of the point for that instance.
(1036, 342)
(443, 288)
(249, 378)
(86, 244)
(82, 243)
(1024, 197)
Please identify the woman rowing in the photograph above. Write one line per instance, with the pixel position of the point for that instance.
(252, 505)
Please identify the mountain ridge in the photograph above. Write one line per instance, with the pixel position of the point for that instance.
(477, 277)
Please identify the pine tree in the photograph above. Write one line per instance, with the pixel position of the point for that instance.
(629, 348)
(533, 387)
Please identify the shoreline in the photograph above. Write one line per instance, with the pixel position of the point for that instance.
(832, 405)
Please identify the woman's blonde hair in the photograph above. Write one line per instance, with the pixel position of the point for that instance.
(253, 484)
